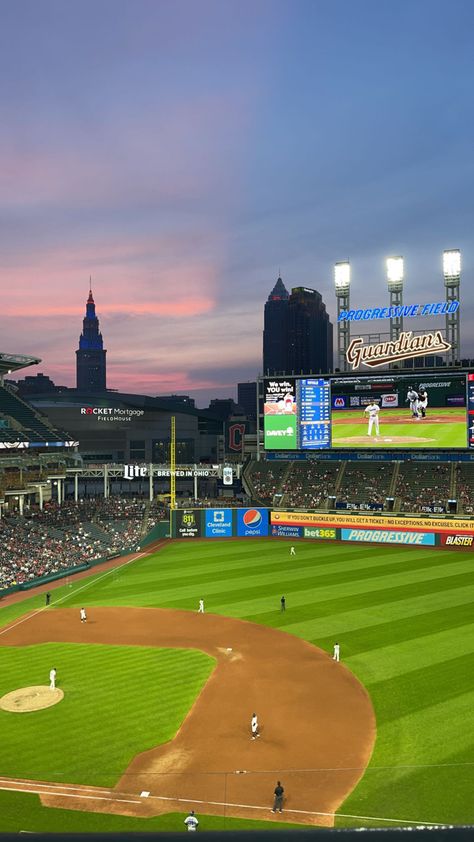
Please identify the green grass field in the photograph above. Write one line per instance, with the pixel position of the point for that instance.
(403, 618)
(438, 429)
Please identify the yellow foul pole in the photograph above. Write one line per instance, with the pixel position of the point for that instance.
(173, 463)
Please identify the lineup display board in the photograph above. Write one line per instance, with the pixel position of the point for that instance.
(384, 411)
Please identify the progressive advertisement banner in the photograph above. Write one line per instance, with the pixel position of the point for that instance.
(393, 522)
(252, 522)
(387, 536)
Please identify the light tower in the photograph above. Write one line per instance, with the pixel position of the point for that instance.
(342, 283)
(395, 288)
(452, 280)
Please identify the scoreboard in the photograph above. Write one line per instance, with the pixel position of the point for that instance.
(320, 413)
(314, 428)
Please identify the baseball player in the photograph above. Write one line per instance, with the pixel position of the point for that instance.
(254, 726)
(422, 401)
(412, 399)
(335, 655)
(83, 615)
(283, 604)
(372, 410)
(191, 821)
(52, 679)
(292, 551)
(201, 606)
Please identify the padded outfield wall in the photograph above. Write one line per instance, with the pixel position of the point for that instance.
(452, 533)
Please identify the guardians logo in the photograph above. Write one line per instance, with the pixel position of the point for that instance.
(405, 347)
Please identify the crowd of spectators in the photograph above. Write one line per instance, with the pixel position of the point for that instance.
(59, 537)
(366, 484)
(465, 488)
(266, 479)
(309, 484)
(423, 488)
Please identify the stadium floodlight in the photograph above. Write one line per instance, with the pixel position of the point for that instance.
(395, 272)
(342, 276)
(452, 264)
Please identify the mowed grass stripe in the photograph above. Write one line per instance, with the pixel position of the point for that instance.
(118, 701)
(436, 648)
(257, 585)
(346, 621)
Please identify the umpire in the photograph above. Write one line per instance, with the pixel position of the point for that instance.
(278, 803)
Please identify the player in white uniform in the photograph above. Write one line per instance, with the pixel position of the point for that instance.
(254, 726)
(335, 655)
(372, 410)
(412, 399)
(52, 679)
(191, 821)
(201, 606)
(83, 615)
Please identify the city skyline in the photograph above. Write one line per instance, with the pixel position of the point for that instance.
(184, 167)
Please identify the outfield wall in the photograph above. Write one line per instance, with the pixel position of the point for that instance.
(450, 533)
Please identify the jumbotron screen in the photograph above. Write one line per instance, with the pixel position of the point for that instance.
(375, 411)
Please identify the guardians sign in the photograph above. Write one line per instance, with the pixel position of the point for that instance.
(406, 347)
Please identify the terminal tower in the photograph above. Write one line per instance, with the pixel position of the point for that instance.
(90, 356)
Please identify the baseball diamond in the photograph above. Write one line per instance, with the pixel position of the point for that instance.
(165, 694)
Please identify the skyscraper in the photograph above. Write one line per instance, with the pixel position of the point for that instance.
(309, 333)
(274, 330)
(90, 357)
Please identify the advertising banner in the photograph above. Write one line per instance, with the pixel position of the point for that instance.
(218, 523)
(389, 400)
(279, 411)
(314, 532)
(323, 519)
(252, 522)
(457, 541)
(286, 531)
(386, 536)
(188, 523)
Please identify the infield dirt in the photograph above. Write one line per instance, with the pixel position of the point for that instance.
(317, 721)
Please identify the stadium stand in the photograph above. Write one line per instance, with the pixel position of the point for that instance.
(364, 482)
(20, 419)
(423, 487)
(61, 537)
(464, 488)
(309, 484)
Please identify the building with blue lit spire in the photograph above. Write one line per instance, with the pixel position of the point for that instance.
(90, 356)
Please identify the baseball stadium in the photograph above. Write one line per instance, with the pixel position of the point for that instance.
(149, 610)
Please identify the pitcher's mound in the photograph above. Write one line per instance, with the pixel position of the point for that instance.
(26, 699)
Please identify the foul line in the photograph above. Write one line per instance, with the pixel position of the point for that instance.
(67, 596)
(289, 810)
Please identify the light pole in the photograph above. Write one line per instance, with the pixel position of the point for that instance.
(342, 284)
(395, 287)
(452, 280)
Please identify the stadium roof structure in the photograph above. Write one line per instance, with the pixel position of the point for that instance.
(13, 362)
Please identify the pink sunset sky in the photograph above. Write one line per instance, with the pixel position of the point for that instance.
(181, 154)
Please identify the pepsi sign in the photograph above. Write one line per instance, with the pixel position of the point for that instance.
(252, 522)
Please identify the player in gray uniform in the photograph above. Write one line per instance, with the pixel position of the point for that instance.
(412, 399)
